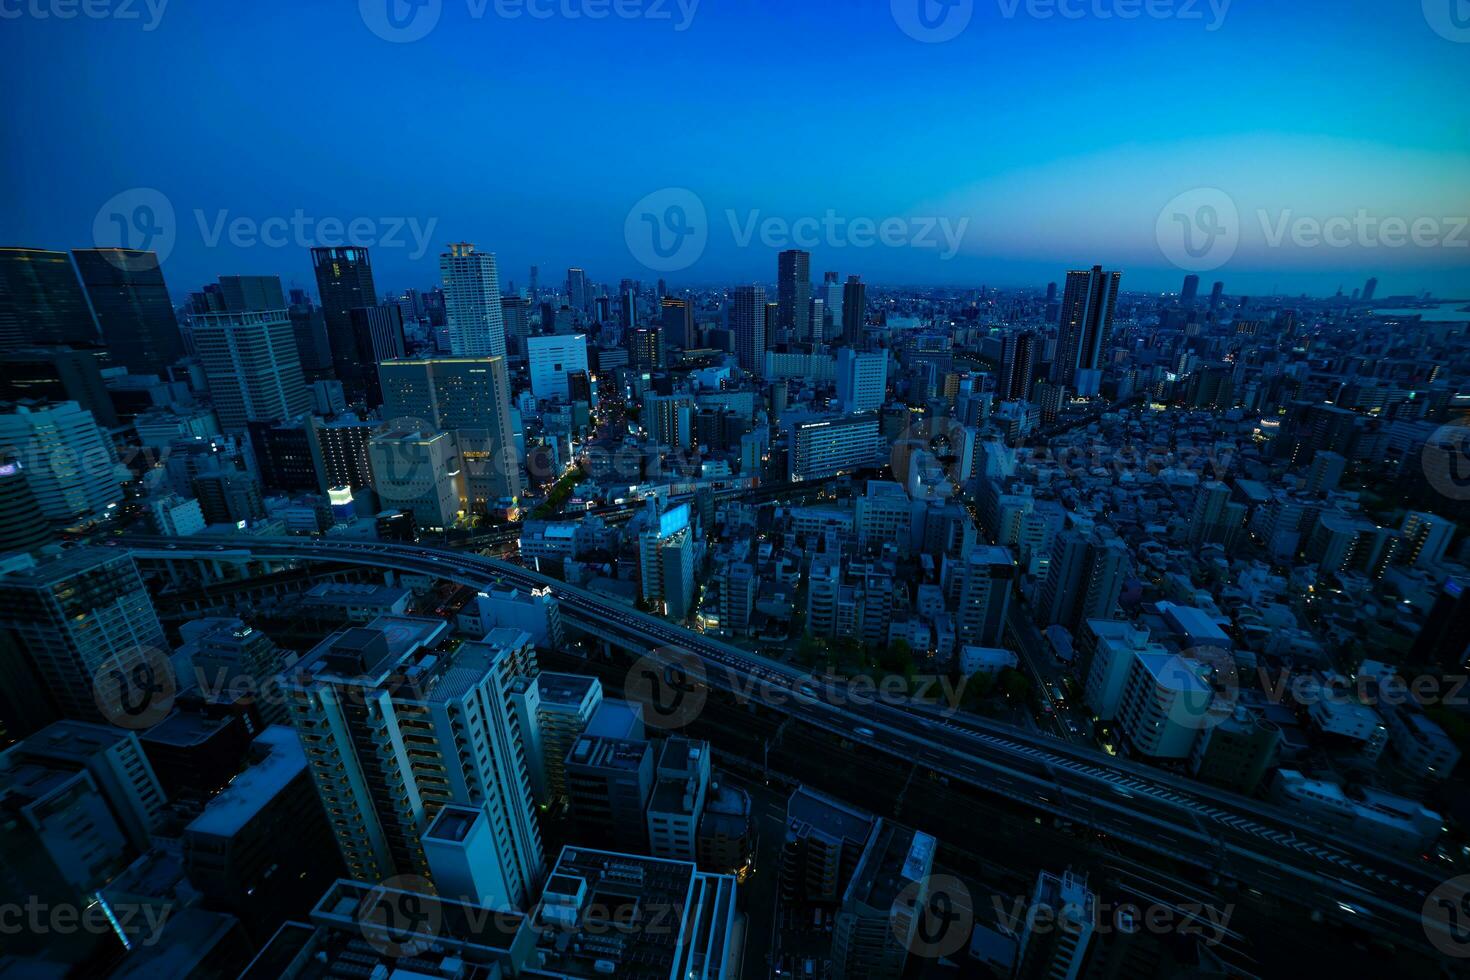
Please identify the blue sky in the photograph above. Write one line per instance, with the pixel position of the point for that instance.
(1041, 142)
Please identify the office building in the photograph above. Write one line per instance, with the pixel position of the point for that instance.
(68, 460)
(516, 312)
(748, 326)
(854, 311)
(1018, 365)
(823, 448)
(253, 368)
(41, 300)
(681, 786)
(553, 359)
(377, 332)
(678, 323)
(793, 296)
(343, 446)
(395, 728)
(472, 302)
(23, 527)
(133, 308)
(58, 374)
(606, 914)
(76, 615)
(417, 470)
(344, 280)
(609, 783)
(577, 294)
(1086, 324)
(862, 380)
(1190, 294)
(469, 397)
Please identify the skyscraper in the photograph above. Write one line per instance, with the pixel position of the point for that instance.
(253, 368)
(469, 397)
(832, 293)
(1085, 325)
(794, 294)
(862, 380)
(77, 615)
(133, 308)
(1217, 295)
(396, 729)
(472, 302)
(854, 311)
(41, 300)
(1018, 364)
(1191, 290)
(577, 290)
(243, 294)
(69, 460)
(344, 278)
(748, 326)
(1370, 290)
(678, 323)
(378, 333)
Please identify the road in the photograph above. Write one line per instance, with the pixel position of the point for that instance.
(1267, 848)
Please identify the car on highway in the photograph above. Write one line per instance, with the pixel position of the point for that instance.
(863, 732)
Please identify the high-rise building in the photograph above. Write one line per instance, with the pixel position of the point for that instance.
(377, 332)
(469, 396)
(22, 525)
(69, 461)
(577, 290)
(1370, 290)
(251, 294)
(344, 279)
(794, 294)
(77, 616)
(1084, 579)
(252, 366)
(416, 470)
(1217, 295)
(552, 359)
(678, 323)
(862, 380)
(854, 311)
(1085, 326)
(41, 300)
(516, 312)
(1059, 949)
(1190, 293)
(472, 302)
(881, 916)
(58, 374)
(984, 581)
(1018, 365)
(343, 445)
(133, 308)
(646, 348)
(748, 326)
(1444, 639)
(832, 308)
(395, 729)
(823, 448)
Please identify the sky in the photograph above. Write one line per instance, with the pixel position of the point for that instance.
(1291, 147)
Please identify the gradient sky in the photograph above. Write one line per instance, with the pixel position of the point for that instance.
(1059, 140)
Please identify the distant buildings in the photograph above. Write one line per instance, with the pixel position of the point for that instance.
(253, 367)
(472, 302)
